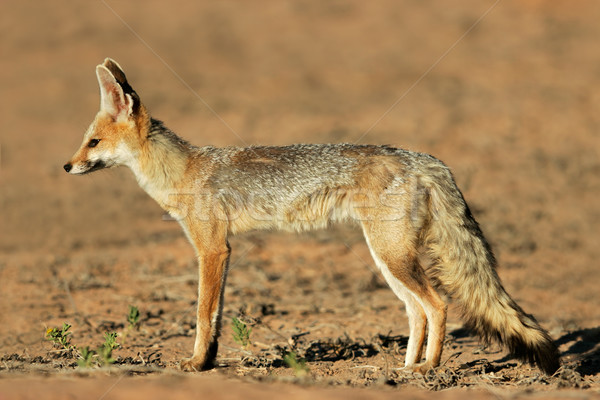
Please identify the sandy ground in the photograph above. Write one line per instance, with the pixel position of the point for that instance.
(512, 106)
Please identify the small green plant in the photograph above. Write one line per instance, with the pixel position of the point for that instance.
(105, 351)
(110, 340)
(101, 357)
(105, 356)
(133, 317)
(86, 359)
(61, 337)
(241, 332)
(297, 364)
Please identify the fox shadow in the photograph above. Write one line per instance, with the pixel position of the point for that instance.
(347, 349)
(584, 346)
(582, 349)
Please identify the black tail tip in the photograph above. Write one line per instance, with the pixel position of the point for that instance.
(549, 360)
(544, 354)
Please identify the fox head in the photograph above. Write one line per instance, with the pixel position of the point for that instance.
(117, 132)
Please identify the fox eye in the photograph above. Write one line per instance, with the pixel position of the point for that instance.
(93, 142)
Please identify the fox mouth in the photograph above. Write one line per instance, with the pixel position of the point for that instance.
(86, 167)
(92, 166)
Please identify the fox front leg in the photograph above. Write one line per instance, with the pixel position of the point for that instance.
(210, 240)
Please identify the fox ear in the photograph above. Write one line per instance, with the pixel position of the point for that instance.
(112, 98)
(116, 70)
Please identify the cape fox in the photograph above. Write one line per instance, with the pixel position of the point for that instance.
(406, 203)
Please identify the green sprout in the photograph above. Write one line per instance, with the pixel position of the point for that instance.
(241, 332)
(105, 351)
(133, 317)
(61, 337)
(297, 364)
(86, 357)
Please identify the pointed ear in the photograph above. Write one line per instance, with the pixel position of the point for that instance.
(112, 98)
(116, 70)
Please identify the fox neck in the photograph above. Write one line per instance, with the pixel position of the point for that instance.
(160, 163)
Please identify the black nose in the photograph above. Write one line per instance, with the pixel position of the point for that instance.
(67, 167)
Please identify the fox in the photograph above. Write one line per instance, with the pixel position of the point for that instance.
(418, 227)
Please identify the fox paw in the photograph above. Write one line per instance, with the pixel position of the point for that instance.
(191, 365)
(421, 368)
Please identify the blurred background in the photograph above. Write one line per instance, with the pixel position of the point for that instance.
(506, 93)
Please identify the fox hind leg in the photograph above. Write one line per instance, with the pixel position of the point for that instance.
(400, 267)
(417, 320)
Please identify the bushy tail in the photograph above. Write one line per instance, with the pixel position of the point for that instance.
(466, 269)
